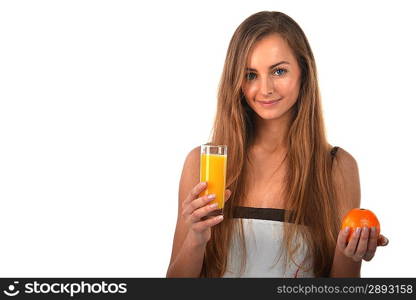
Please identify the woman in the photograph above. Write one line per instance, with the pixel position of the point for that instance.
(287, 188)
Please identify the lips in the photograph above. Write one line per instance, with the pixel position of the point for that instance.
(270, 101)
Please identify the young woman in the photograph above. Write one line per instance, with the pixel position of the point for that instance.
(287, 187)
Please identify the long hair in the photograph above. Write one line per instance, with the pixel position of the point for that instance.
(309, 191)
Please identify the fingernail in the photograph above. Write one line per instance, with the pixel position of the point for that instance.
(203, 183)
(211, 196)
(357, 231)
(346, 229)
(220, 217)
(213, 205)
(373, 229)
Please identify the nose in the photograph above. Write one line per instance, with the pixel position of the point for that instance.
(266, 86)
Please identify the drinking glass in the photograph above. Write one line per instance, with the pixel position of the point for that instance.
(213, 170)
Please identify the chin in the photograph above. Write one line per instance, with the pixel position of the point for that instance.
(270, 116)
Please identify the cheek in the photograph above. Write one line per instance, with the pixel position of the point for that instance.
(249, 91)
(249, 94)
(287, 87)
(290, 90)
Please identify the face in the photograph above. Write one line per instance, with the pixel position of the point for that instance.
(272, 74)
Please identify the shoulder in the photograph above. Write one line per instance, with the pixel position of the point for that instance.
(190, 172)
(344, 162)
(193, 157)
(346, 180)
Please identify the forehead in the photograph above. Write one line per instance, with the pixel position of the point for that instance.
(269, 50)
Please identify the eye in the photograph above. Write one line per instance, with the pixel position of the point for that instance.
(251, 76)
(283, 71)
(248, 76)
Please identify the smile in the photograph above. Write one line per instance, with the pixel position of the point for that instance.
(269, 103)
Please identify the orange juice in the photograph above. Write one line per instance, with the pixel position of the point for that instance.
(213, 171)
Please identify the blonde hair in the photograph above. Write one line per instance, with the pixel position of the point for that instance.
(309, 193)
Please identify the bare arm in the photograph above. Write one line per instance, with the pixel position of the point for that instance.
(186, 258)
(363, 244)
(191, 233)
(344, 266)
(347, 186)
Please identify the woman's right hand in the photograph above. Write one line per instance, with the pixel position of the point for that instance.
(194, 210)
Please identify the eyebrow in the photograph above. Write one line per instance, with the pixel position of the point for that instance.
(271, 67)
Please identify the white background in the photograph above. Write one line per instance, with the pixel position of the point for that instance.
(100, 102)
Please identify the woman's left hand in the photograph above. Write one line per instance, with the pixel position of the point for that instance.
(363, 244)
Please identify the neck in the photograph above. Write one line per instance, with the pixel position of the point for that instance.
(271, 135)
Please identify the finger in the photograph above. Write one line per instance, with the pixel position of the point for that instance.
(352, 244)
(198, 214)
(382, 241)
(342, 238)
(372, 245)
(198, 203)
(194, 193)
(203, 225)
(362, 244)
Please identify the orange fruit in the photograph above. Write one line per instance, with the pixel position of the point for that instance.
(360, 217)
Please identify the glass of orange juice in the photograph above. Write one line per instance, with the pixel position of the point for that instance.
(213, 170)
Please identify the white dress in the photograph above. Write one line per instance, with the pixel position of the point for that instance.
(263, 231)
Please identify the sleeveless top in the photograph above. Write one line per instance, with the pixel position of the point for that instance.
(265, 256)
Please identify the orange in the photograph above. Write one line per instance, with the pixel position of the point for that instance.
(360, 217)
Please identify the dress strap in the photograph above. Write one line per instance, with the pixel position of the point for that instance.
(271, 214)
(334, 151)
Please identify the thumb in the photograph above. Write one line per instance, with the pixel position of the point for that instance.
(382, 240)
